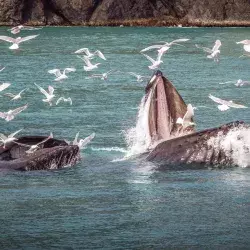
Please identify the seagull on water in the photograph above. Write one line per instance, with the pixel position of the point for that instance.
(16, 41)
(64, 100)
(7, 139)
(89, 66)
(15, 97)
(166, 45)
(10, 115)
(4, 86)
(90, 55)
(139, 78)
(49, 95)
(186, 121)
(246, 44)
(103, 76)
(61, 76)
(225, 105)
(155, 63)
(33, 148)
(214, 52)
(17, 29)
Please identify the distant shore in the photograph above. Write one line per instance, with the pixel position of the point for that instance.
(152, 22)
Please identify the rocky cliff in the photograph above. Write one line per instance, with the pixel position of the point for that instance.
(128, 12)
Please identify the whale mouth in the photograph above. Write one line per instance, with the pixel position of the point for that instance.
(165, 107)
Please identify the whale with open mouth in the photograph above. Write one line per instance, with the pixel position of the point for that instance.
(172, 143)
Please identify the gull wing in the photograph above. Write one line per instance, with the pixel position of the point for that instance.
(8, 39)
(56, 72)
(23, 145)
(10, 95)
(46, 139)
(179, 40)
(51, 90)
(204, 49)
(43, 90)
(76, 138)
(26, 38)
(2, 69)
(217, 100)
(149, 58)
(3, 137)
(67, 70)
(100, 54)
(83, 50)
(69, 100)
(2, 115)
(133, 74)
(31, 28)
(59, 100)
(13, 134)
(21, 91)
(216, 45)
(156, 46)
(4, 86)
(86, 60)
(20, 109)
(84, 142)
(227, 103)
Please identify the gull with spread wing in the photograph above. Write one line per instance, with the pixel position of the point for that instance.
(15, 97)
(186, 121)
(16, 41)
(165, 44)
(61, 76)
(103, 76)
(225, 105)
(83, 142)
(246, 44)
(69, 100)
(17, 29)
(214, 52)
(155, 63)
(7, 139)
(49, 95)
(89, 66)
(33, 148)
(10, 115)
(139, 78)
(90, 55)
(4, 86)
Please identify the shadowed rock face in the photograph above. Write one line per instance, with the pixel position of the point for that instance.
(53, 154)
(66, 12)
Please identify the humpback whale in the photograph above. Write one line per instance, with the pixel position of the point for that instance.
(52, 154)
(172, 143)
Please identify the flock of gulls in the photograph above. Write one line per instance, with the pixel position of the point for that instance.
(87, 57)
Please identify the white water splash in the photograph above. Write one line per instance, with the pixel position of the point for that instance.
(117, 149)
(235, 144)
(138, 138)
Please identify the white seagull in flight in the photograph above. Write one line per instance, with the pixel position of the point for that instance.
(69, 100)
(225, 105)
(61, 76)
(49, 95)
(16, 41)
(89, 66)
(90, 55)
(7, 139)
(214, 52)
(10, 115)
(17, 29)
(103, 76)
(139, 78)
(83, 142)
(155, 63)
(15, 97)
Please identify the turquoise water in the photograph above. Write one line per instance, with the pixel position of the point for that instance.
(106, 202)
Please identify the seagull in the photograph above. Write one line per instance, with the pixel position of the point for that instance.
(16, 41)
(186, 121)
(49, 95)
(139, 78)
(155, 63)
(64, 99)
(90, 55)
(166, 45)
(246, 44)
(4, 86)
(225, 105)
(17, 29)
(82, 142)
(10, 115)
(103, 76)
(214, 52)
(7, 139)
(15, 97)
(89, 66)
(61, 76)
(2, 69)
(33, 148)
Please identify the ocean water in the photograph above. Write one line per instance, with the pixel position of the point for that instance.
(109, 201)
